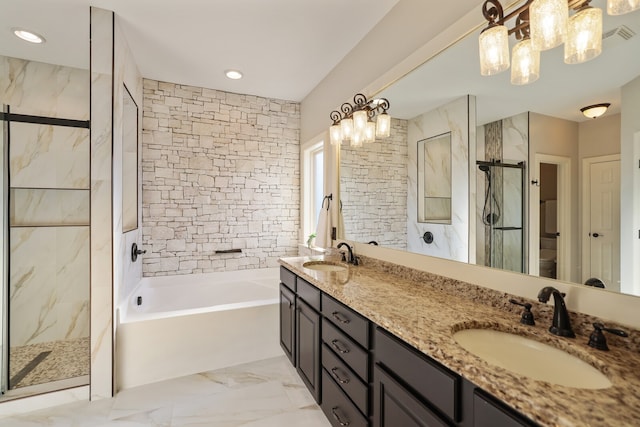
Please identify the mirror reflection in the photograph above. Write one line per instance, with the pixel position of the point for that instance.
(537, 180)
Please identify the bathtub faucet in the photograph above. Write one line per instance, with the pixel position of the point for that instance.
(352, 259)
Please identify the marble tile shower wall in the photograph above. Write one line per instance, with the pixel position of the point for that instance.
(450, 241)
(49, 210)
(220, 171)
(373, 189)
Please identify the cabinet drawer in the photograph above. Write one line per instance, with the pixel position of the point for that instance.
(396, 406)
(434, 382)
(309, 293)
(288, 278)
(347, 349)
(346, 379)
(488, 413)
(356, 326)
(337, 407)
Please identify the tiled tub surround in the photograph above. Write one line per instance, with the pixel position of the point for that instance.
(220, 171)
(425, 310)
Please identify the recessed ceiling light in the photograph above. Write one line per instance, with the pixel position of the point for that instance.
(233, 74)
(28, 36)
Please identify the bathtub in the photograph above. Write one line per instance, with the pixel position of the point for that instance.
(174, 326)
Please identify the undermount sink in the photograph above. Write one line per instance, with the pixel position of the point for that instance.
(324, 266)
(530, 358)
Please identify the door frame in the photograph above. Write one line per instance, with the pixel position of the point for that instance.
(563, 266)
(585, 207)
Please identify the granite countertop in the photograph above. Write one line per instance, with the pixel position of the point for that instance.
(426, 313)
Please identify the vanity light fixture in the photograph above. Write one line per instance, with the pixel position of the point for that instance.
(355, 123)
(233, 74)
(28, 36)
(546, 23)
(595, 111)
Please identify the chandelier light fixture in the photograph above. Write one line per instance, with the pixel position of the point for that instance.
(355, 123)
(540, 25)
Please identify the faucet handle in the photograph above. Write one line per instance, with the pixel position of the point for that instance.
(527, 315)
(597, 339)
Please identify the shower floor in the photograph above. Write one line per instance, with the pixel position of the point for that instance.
(46, 362)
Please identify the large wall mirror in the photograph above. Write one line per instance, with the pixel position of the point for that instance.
(542, 182)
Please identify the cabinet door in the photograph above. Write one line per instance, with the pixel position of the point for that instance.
(395, 406)
(308, 347)
(287, 323)
(487, 412)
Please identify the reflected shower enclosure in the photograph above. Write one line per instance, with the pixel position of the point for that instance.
(501, 214)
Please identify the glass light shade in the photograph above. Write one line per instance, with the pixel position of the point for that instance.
(595, 111)
(346, 125)
(370, 132)
(548, 23)
(383, 125)
(360, 119)
(584, 36)
(525, 63)
(494, 50)
(357, 138)
(620, 7)
(335, 133)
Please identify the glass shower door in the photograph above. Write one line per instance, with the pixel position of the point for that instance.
(4, 347)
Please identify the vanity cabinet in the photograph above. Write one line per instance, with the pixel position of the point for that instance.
(362, 375)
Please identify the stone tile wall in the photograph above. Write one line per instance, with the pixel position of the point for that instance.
(221, 171)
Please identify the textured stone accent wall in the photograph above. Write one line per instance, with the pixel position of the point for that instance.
(373, 189)
(220, 171)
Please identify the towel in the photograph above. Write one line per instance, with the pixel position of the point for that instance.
(323, 229)
(550, 217)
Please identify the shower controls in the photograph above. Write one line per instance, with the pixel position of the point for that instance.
(427, 237)
(135, 252)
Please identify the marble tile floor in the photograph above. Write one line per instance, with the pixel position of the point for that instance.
(266, 393)
(50, 361)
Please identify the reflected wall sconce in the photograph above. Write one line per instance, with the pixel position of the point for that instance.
(355, 123)
(595, 111)
(540, 25)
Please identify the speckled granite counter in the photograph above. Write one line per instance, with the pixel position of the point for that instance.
(425, 310)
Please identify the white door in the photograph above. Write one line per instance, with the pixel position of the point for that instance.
(604, 223)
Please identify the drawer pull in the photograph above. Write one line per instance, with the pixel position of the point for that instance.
(336, 315)
(337, 417)
(335, 345)
(334, 372)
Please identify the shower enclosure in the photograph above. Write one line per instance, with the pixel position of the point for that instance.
(44, 315)
(501, 209)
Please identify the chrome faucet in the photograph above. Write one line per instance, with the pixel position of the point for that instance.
(561, 324)
(352, 259)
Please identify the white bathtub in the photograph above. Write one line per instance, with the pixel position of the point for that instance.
(194, 323)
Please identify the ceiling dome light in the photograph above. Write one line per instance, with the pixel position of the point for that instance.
(28, 36)
(595, 111)
(233, 74)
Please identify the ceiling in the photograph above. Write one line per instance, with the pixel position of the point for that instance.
(560, 91)
(283, 47)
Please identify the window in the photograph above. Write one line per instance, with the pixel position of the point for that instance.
(312, 186)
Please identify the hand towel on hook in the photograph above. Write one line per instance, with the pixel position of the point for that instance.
(323, 230)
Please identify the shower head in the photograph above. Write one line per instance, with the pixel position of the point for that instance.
(484, 168)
